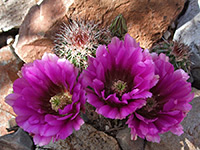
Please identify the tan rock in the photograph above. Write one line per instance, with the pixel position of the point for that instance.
(147, 20)
(9, 66)
(36, 49)
(6, 112)
(35, 34)
(10, 62)
(87, 138)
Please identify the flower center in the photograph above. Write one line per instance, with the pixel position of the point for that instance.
(80, 38)
(119, 87)
(60, 100)
(151, 104)
(151, 109)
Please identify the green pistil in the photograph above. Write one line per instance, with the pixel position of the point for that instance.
(119, 87)
(59, 101)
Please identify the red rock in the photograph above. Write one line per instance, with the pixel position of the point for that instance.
(147, 20)
(37, 26)
(6, 111)
(36, 49)
(9, 66)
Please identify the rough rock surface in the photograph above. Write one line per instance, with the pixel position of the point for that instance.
(192, 10)
(124, 139)
(189, 32)
(87, 138)
(195, 68)
(38, 29)
(19, 140)
(12, 13)
(9, 66)
(147, 20)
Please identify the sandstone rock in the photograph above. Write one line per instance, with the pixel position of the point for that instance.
(6, 111)
(36, 49)
(9, 66)
(147, 20)
(192, 10)
(87, 138)
(38, 29)
(12, 13)
(124, 139)
(10, 62)
(187, 141)
(19, 140)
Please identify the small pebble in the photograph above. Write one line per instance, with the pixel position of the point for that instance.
(16, 41)
(167, 34)
(107, 127)
(39, 1)
(12, 122)
(173, 26)
(9, 40)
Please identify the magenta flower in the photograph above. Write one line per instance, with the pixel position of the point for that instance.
(47, 99)
(167, 107)
(119, 78)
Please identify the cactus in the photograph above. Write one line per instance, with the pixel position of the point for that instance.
(79, 39)
(118, 27)
(178, 54)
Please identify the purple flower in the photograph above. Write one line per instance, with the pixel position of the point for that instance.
(119, 78)
(47, 99)
(167, 107)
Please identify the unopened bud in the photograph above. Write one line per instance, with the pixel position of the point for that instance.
(118, 27)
